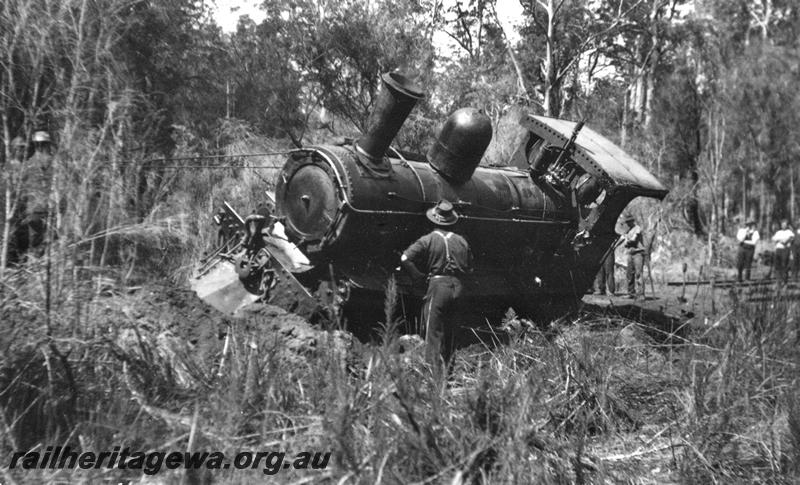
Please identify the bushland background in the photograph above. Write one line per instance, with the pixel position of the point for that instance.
(102, 344)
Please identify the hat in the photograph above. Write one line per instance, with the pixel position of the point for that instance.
(630, 218)
(442, 214)
(750, 221)
(18, 141)
(41, 137)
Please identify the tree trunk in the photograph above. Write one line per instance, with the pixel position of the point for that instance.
(762, 206)
(652, 64)
(791, 194)
(549, 64)
(725, 206)
(770, 208)
(569, 96)
(712, 233)
(623, 137)
(693, 205)
(744, 194)
(7, 209)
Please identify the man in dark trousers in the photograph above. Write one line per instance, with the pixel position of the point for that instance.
(748, 238)
(34, 185)
(796, 251)
(633, 240)
(605, 277)
(446, 257)
(783, 243)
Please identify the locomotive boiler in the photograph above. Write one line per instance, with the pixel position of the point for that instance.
(539, 228)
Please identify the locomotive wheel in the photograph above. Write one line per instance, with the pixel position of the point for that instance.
(242, 264)
(249, 273)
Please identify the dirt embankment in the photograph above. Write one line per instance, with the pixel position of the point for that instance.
(176, 317)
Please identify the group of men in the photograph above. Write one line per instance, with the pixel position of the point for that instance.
(443, 257)
(633, 242)
(785, 258)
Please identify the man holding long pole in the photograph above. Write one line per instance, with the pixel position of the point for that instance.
(633, 241)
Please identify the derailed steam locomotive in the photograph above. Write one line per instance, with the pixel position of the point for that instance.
(539, 228)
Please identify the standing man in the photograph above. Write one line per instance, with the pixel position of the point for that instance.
(748, 238)
(605, 277)
(36, 187)
(446, 257)
(633, 240)
(783, 241)
(796, 251)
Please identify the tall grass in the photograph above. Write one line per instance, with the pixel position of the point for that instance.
(591, 400)
(98, 352)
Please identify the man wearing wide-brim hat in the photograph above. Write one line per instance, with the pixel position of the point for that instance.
(446, 257)
(748, 238)
(633, 240)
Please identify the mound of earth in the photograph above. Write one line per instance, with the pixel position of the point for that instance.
(174, 322)
(294, 335)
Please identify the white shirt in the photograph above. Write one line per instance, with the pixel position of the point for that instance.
(634, 240)
(783, 238)
(741, 236)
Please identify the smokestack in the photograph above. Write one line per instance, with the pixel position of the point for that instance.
(395, 102)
